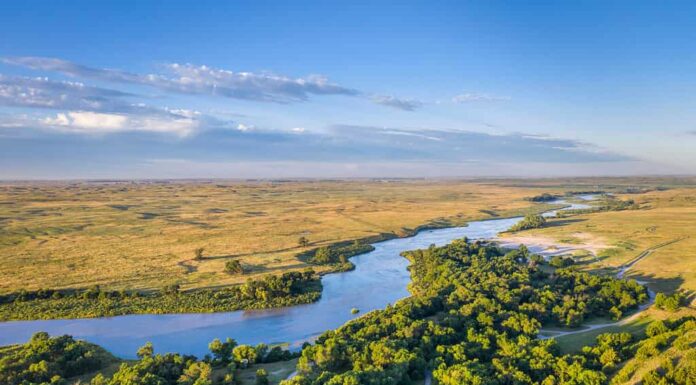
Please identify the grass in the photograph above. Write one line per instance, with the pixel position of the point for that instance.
(143, 235)
(663, 217)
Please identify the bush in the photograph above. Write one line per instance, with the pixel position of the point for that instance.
(530, 221)
(669, 302)
(234, 267)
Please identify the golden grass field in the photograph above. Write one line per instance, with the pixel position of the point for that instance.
(665, 223)
(143, 235)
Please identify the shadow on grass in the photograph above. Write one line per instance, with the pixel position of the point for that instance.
(659, 284)
(563, 222)
(588, 260)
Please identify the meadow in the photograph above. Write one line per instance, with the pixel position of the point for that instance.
(143, 235)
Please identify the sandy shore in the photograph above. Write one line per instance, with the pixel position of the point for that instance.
(549, 246)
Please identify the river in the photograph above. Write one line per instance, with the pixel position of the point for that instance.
(380, 278)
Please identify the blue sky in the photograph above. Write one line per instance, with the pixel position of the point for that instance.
(346, 89)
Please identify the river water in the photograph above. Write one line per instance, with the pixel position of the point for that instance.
(380, 278)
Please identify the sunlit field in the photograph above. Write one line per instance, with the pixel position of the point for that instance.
(144, 235)
(665, 225)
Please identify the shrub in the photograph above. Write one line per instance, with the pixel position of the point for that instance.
(234, 267)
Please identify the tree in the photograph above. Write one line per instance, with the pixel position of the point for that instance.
(199, 253)
(222, 351)
(198, 373)
(234, 267)
(244, 354)
(669, 302)
(322, 255)
(171, 289)
(261, 377)
(303, 241)
(146, 350)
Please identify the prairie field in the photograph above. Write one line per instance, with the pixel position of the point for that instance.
(664, 226)
(143, 235)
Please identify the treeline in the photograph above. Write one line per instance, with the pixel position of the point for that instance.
(607, 204)
(473, 318)
(289, 289)
(545, 197)
(46, 360)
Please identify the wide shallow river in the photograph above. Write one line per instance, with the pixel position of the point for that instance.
(380, 278)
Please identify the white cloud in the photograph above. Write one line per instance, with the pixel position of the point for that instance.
(45, 93)
(394, 102)
(298, 130)
(193, 79)
(473, 97)
(244, 127)
(87, 122)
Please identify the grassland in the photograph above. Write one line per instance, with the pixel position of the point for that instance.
(143, 235)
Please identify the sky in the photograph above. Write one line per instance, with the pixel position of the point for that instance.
(319, 89)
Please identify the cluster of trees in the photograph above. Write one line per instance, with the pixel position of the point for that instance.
(219, 368)
(473, 319)
(609, 203)
(338, 255)
(530, 221)
(46, 360)
(545, 197)
(669, 302)
(558, 261)
(289, 289)
(678, 366)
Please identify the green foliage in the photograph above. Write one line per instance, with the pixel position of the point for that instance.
(303, 241)
(545, 197)
(271, 291)
(338, 254)
(261, 377)
(245, 354)
(677, 369)
(146, 350)
(234, 267)
(489, 307)
(222, 351)
(46, 359)
(198, 253)
(669, 302)
(558, 261)
(530, 221)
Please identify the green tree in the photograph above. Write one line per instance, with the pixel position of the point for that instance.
(222, 351)
(262, 377)
(199, 253)
(234, 267)
(244, 354)
(146, 350)
(198, 373)
(303, 241)
(322, 255)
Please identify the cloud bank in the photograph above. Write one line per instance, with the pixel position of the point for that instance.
(205, 80)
